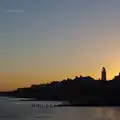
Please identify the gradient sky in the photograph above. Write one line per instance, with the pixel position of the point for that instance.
(45, 40)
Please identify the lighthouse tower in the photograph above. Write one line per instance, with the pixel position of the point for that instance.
(103, 74)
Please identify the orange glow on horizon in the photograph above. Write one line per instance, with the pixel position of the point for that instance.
(25, 80)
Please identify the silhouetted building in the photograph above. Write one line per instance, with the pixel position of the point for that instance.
(80, 76)
(103, 74)
(117, 77)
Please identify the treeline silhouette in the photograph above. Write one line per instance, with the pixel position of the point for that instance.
(78, 91)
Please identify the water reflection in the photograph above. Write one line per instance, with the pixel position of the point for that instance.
(88, 113)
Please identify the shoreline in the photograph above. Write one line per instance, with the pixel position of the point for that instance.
(87, 105)
(64, 104)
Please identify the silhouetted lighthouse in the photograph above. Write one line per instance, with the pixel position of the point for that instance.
(103, 74)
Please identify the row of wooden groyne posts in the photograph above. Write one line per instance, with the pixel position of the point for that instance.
(45, 105)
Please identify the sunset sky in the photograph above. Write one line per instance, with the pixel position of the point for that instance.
(45, 40)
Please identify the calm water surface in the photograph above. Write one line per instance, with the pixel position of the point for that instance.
(13, 109)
